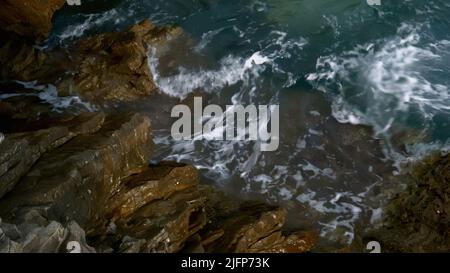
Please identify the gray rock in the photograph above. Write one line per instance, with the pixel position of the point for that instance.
(20, 151)
(37, 235)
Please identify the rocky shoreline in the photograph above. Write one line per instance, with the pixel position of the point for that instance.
(84, 176)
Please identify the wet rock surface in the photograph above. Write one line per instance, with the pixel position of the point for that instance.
(85, 177)
(249, 227)
(103, 68)
(76, 177)
(19, 151)
(417, 219)
(30, 18)
(163, 209)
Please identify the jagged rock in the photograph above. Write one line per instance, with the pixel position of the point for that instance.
(23, 115)
(178, 215)
(114, 66)
(162, 209)
(109, 67)
(158, 209)
(417, 220)
(236, 226)
(19, 59)
(19, 151)
(74, 181)
(297, 242)
(31, 18)
(35, 234)
(153, 183)
(166, 224)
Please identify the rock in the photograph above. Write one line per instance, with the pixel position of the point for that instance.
(114, 66)
(417, 220)
(103, 68)
(19, 151)
(158, 209)
(31, 18)
(99, 178)
(74, 181)
(162, 209)
(236, 226)
(19, 59)
(153, 183)
(297, 242)
(166, 224)
(35, 234)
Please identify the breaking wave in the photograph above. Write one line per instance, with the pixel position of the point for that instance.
(47, 93)
(389, 84)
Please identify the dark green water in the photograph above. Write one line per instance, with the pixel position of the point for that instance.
(329, 64)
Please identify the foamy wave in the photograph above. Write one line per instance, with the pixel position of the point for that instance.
(231, 71)
(383, 83)
(49, 94)
(91, 21)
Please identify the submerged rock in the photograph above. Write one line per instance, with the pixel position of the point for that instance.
(418, 219)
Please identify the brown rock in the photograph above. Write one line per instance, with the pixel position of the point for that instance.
(31, 18)
(298, 242)
(113, 66)
(18, 58)
(166, 224)
(74, 181)
(19, 151)
(157, 209)
(153, 183)
(104, 68)
(236, 226)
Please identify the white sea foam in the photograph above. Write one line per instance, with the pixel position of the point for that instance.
(381, 83)
(292, 173)
(207, 38)
(91, 21)
(232, 70)
(48, 93)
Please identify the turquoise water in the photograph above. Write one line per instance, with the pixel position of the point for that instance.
(330, 65)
